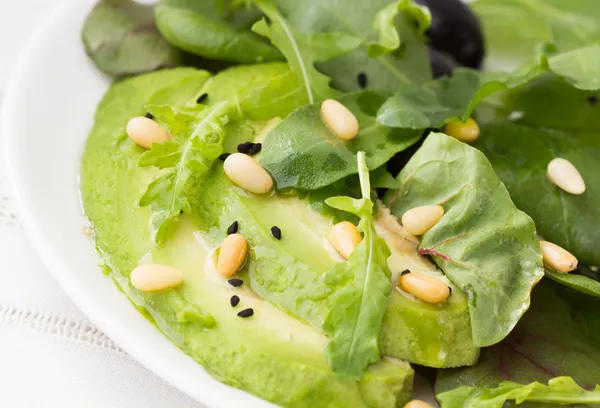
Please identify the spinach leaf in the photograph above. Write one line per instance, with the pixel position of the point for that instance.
(301, 152)
(484, 244)
(515, 28)
(554, 338)
(576, 281)
(303, 51)
(198, 133)
(560, 390)
(121, 38)
(520, 150)
(213, 29)
(357, 307)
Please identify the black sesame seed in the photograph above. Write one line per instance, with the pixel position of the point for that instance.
(404, 272)
(235, 282)
(362, 80)
(180, 211)
(276, 232)
(592, 100)
(255, 149)
(202, 98)
(224, 156)
(245, 147)
(233, 228)
(246, 312)
(235, 300)
(149, 115)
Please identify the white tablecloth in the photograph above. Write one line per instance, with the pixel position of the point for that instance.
(51, 355)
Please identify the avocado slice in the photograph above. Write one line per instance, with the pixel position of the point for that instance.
(271, 354)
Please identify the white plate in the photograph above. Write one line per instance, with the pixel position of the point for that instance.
(48, 113)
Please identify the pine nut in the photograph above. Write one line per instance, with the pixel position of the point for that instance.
(232, 255)
(244, 171)
(566, 176)
(424, 287)
(154, 277)
(339, 119)
(419, 220)
(145, 131)
(558, 258)
(344, 237)
(465, 132)
(418, 404)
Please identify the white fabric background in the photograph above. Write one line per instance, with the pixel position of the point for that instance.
(50, 354)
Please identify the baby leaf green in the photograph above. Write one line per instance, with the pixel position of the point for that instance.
(357, 308)
(483, 243)
(301, 152)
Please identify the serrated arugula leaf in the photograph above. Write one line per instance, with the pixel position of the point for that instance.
(560, 390)
(484, 244)
(301, 152)
(357, 308)
(385, 26)
(303, 51)
(557, 336)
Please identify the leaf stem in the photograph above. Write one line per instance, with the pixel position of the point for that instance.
(363, 175)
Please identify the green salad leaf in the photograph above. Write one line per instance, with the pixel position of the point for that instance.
(303, 51)
(554, 338)
(581, 283)
(121, 38)
(560, 390)
(357, 308)
(546, 127)
(213, 29)
(484, 244)
(301, 152)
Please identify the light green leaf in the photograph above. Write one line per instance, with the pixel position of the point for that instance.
(385, 25)
(560, 390)
(302, 152)
(484, 244)
(303, 51)
(357, 307)
(580, 67)
(162, 155)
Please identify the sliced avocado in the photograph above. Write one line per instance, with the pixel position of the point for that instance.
(288, 272)
(271, 354)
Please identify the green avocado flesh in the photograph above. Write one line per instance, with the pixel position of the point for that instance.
(278, 353)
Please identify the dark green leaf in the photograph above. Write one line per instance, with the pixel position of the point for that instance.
(552, 339)
(580, 283)
(484, 245)
(556, 120)
(121, 38)
(354, 319)
(301, 152)
(560, 390)
(211, 31)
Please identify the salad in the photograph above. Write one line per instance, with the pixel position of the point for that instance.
(315, 199)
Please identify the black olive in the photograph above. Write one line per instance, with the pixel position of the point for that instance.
(455, 30)
(441, 63)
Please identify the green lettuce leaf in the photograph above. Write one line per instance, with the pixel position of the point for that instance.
(301, 152)
(550, 119)
(560, 390)
(385, 25)
(357, 308)
(558, 336)
(484, 244)
(121, 38)
(303, 51)
(213, 29)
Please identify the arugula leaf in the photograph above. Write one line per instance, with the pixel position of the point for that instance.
(301, 152)
(484, 245)
(385, 25)
(303, 51)
(209, 29)
(553, 338)
(121, 38)
(357, 308)
(520, 150)
(560, 390)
